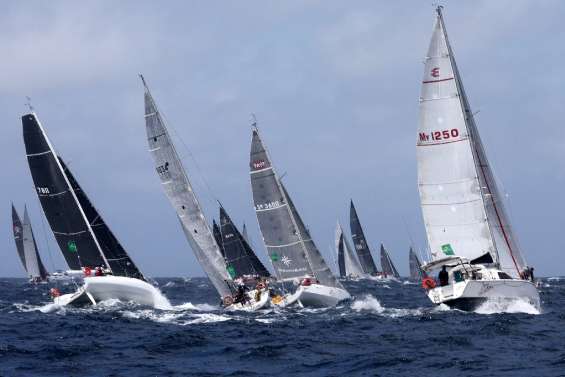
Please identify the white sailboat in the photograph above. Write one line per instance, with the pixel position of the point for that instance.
(291, 249)
(468, 230)
(348, 264)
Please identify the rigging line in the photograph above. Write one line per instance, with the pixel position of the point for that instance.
(412, 243)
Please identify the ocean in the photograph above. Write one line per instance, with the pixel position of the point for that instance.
(388, 329)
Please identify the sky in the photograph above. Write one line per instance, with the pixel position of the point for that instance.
(334, 86)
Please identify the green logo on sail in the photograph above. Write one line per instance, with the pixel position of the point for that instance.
(231, 271)
(447, 249)
(72, 246)
(274, 257)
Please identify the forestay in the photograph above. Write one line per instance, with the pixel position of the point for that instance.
(360, 242)
(386, 264)
(461, 204)
(178, 189)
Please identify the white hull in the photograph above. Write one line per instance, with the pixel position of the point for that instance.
(100, 288)
(469, 294)
(315, 295)
(253, 304)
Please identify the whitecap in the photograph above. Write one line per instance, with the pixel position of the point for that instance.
(514, 306)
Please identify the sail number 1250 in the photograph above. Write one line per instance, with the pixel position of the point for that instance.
(439, 135)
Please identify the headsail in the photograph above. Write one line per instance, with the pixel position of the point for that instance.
(416, 272)
(280, 235)
(178, 189)
(360, 242)
(346, 257)
(461, 204)
(386, 264)
(240, 258)
(60, 205)
(317, 263)
(120, 262)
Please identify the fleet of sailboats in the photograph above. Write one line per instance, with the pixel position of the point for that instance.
(473, 248)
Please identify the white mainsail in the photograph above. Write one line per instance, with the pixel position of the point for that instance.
(30, 251)
(461, 205)
(179, 191)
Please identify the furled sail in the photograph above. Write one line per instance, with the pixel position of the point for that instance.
(317, 263)
(462, 208)
(178, 189)
(240, 258)
(347, 261)
(360, 243)
(416, 272)
(386, 264)
(280, 234)
(60, 205)
(120, 262)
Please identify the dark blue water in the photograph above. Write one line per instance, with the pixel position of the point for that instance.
(388, 329)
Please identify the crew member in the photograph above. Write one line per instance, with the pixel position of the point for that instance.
(443, 277)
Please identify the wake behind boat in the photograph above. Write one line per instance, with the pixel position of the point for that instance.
(291, 249)
(468, 229)
(85, 240)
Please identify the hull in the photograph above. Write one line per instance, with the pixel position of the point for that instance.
(253, 304)
(470, 294)
(315, 295)
(100, 288)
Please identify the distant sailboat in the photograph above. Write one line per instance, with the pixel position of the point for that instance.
(241, 261)
(218, 237)
(389, 270)
(27, 247)
(416, 272)
(467, 226)
(85, 240)
(180, 193)
(360, 243)
(291, 250)
(348, 263)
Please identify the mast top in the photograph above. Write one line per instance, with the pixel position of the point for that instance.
(144, 83)
(28, 104)
(254, 122)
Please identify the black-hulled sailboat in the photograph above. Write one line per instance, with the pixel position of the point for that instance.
(291, 249)
(85, 240)
(27, 247)
(389, 270)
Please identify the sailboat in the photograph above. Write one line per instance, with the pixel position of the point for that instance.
(27, 247)
(468, 229)
(85, 240)
(241, 261)
(180, 193)
(291, 249)
(389, 270)
(347, 261)
(416, 272)
(360, 243)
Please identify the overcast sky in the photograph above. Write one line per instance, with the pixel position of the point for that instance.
(334, 86)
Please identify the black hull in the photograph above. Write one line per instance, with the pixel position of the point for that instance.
(467, 304)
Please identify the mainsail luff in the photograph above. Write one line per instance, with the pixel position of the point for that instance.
(504, 240)
(62, 208)
(179, 191)
(360, 242)
(281, 236)
(386, 264)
